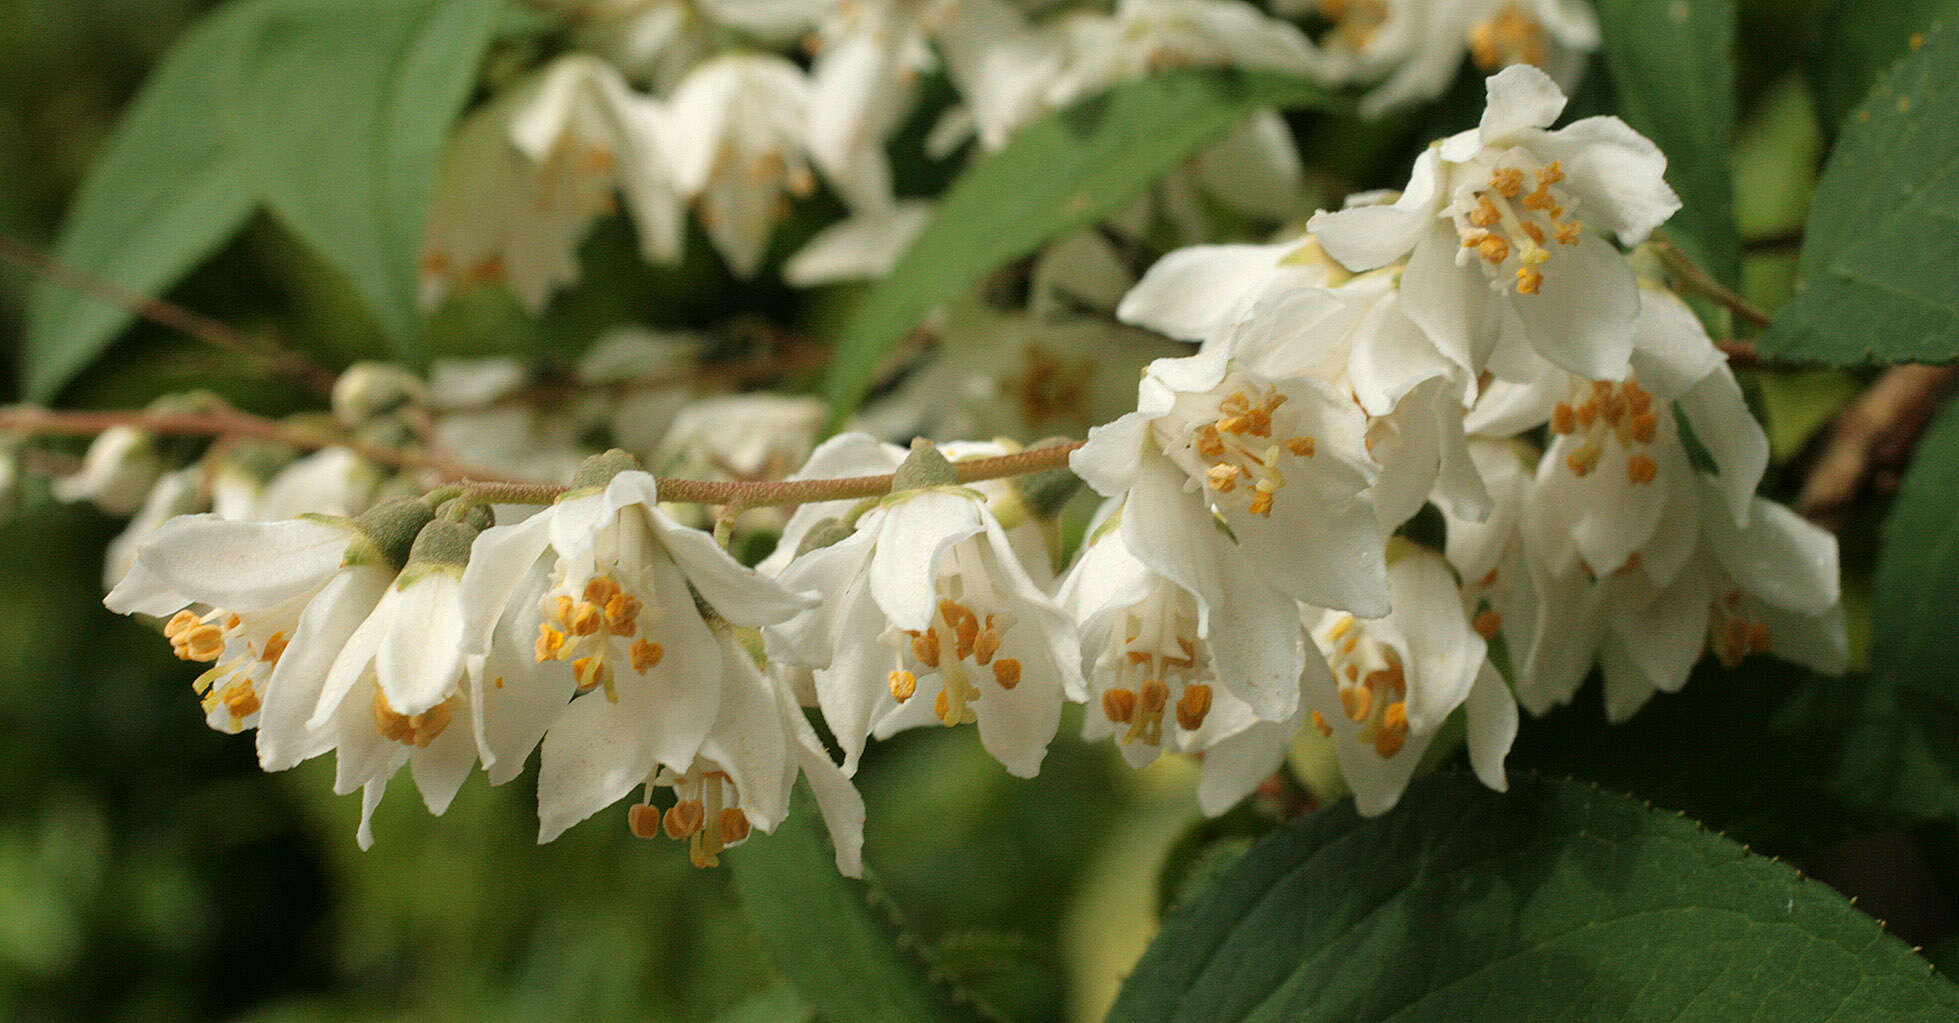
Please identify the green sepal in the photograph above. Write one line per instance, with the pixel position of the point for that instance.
(385, 533)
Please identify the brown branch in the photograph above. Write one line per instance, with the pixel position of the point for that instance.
(1741, 354)
(231, 423)
(218, 334)
(1866, 449)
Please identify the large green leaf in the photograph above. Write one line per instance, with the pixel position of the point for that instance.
(1057, 175)
(1673, 67)
(1553, 901)
(1882, 244)
(1857, 41)
(350, 105)
(168, 189)
(1905, 745)
(839, 941)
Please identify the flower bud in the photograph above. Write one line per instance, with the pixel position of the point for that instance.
(387, 532)
(369, 390)
(117, 473)
(597, 471)
(924, 467)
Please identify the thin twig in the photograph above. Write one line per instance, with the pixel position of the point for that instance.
(1691, 277)
(1870, 443)
(218, 334)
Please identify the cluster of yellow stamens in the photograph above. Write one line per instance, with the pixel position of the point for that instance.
(1157, 647)
(1242, 447)
(581, 631)
(1373, 687)
(417, 730)
(970, 638)
(707, 816)
(1733, 636)
(1622, 411)
(1509, 220)
(231, 684)
(1509, 37)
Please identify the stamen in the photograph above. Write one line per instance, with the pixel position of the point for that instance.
(643, 820)
(1006, 672)
(684, 818)
(902, 684)
(1119, 705)
(1195, 705)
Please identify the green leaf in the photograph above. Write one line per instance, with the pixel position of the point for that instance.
(1857, 41)
(838, 940)
(1673, 68)
(350, 106)
(1905, 749)
(1882, 243)
(1553, 901)
(1058, 174)
(168, 189)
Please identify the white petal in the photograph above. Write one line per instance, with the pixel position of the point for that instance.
(419, 661)
(1728, 431)
(1617, 175)
(1235, 765)
(1520, 96)
(915, 533)
(441, 767)
(240, 566)
(293, 692)
(1367, 237)
(1491, 714)
(1582, 317)
(1452, 304)
(737, 592)
(1191, 290)
(1780, 558)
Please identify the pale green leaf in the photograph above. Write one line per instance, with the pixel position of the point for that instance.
(167, 190)
(351, 104)
(1553, 901)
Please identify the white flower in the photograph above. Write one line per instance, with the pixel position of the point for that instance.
(657, 41)
(177, 493)
(529, 172)
(1279, 462)
(483, 418)
(862, 84)
(1153, 652)
(270, 605)
(746, 769)
(862, 246)
(1397, 679)
(620, 610)
(760, 435)
(1200, 291)
(1144, 36)
(1617, 458)
(738, 124)
(1497, 228)
(117, 472)
(1414, 48)
(930, 590)
(636, 383)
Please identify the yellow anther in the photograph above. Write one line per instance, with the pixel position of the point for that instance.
(1582, 461)
(1508, 182)
(734, 825)
(1119, 706)
(683, 819)
(586, 619)
(1261, 503)
(1493, 249)
(1641, 469)
(1551, 173)
(925, 647)
(1006, 672)
(1154, 696)
(1320, 725)
(1209, 443)
(1645, 426)
(902, 684)
(1223, 478)
(1529, 282)
(591, 673)
(988, 643)
(1563, 419)
(643, 820)
(1568, 231)
(622, 614)
(1301, 446)
(561, 608)
(1488, 624)
(1357, 702)
(1193, 707)
(275, 647)
(965, 626)
(1540, 200)
(942, 709)
(1341, 626)
(240, 700)
(1537, 255)
(549, 642)
(1485, 214)
(645, 655)
(415, 730)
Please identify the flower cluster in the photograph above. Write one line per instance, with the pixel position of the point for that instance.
(1253, 576)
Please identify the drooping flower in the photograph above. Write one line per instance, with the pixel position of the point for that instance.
(738, 130)
(1145, 36)
(528, 174)
(1398, 678)
(746, 768)
(619, 607)
(1498, 229)
(928, 593)
(1200, 291)
(269, 605)
(1163, 670)
(1280, 463)
(117, 472)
